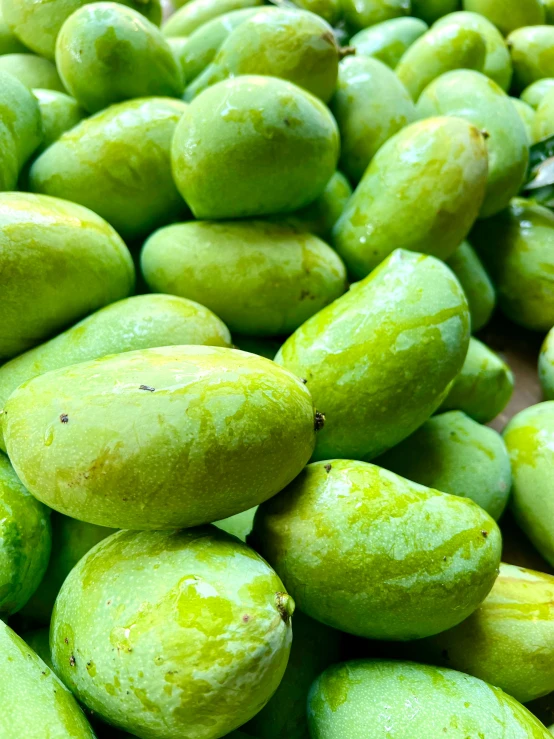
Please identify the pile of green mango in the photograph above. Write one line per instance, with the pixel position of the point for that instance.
(274, 278)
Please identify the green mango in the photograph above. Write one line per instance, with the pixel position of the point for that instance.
(527, 115)
(38, 22)
(477, 285)
(543, 125)
(474, 97)
(507, 15)
(389, 40)
(9, 43)
(320, 216)
(518, 550)
(345, 537)
(107, 53)
(508, 640)
(71, 540)
(33, 71)
(196, 13)
(239, 525)
(422, 191)
(39, 641)
(454, 454)
(25, 541)
(215, 614)
(516, 248)
(360, 14)
(431, 10)
(117, 163)
(200, 48)
(277, 42)
(546, 366)
(498, 63)
(264, 347)
(290, 276)
(529, 438)
(484, 386)
(135, 440)
(60, 262)
(440, 50)
(534, 94)
(411, 313)
(272, 149)
(532, 57)
(314, 647)
(548, 11)
(21, 128)
(330, 10)
(35, 704)
(140, 322)
(59, 113)
(370, 105)
(419, 701)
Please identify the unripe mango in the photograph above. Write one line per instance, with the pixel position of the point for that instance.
(370, 105)
(59, 260)
(543, 126)
(431, 10)
(546, 366)
(331, 10)
(345, 537)
(9, 43)
(389, 40)
(320, 216)
(272, 149)
(59, 113)
(454, 454)
(417, 700)
(117, 163)
(160, 438)
(410, 312)
(190, 609)
(198, 12)
(33, 71)
(39, 641)
(363, 13)
(508, 15)
(527, 115)
(530, 49)
(484, 386)
(529, 439)
(290, 276)
(398, 204)
(477, 285)
(535, 92)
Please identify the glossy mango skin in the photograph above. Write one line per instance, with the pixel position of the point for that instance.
(410, 312)
(419, 701)
(261, 278)
(498, 63)
(59, 260)
(387, 41)
(363, 13)
(59, 113)
(117, 163)
(527, 115)
(532, 58)
(25, 541)
(9, 43)
(314, 647)
(484, 386)
(201, 47)
(454, 454)
(140, 322)
(320, 216)
(529, 438)
(272, 148)
(516, 248)
(137, 440)
(470, 95)
(37, 24)
(440, 50)
(330, 10)
(196, 13)
(543, 127)
(508, 640)
(33, 71)
(507, 15)
(20, 131)
(345, 538)
(278, 42)
(536, 91)
(397, 204)
(193, 616)
(50, 709)
(431, 10)
(477, 285)
(546, 366)
(39, 641)
(370, 105)
(107, 53)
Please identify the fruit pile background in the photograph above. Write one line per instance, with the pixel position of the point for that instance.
(277, 369)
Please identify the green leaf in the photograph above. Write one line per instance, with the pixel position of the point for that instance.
(543, 175)
(538, 153)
